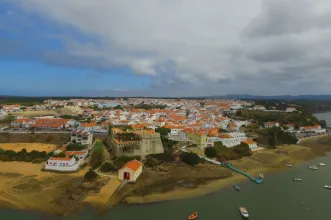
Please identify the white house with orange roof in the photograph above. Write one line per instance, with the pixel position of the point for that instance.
(271, 124)
(312, 129)
(130, 171)
(62, 164)
(174, 129)
(251, 144)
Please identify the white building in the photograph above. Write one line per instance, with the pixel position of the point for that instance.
(79, 154)
(130, 171)
(82, 137)
(232, 139)
(271, 124)
(62, 164)
(3, 113)
(290, 109)
(174, 130)
(259, 108)
(312, 129)
(252, 144)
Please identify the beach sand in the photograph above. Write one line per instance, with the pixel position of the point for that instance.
(28, 146)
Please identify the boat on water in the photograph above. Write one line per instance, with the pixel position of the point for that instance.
(321, 164)
(194, 215)
(237, 187)
(313, 167)
(261, 176)
(288, 165)
(297, 179)
(243, 212)
(327, 187)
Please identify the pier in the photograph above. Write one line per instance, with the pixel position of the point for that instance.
(243, 173)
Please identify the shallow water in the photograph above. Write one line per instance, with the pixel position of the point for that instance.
(277, 198)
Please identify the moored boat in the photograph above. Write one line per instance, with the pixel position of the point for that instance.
(321, 164)
(243, 212)
(194, 215)
(261, 176)
(327, 187)
(297, 179)
(288, 165)
(237, 187)
(313, 167)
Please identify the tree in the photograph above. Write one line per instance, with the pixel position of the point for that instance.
(118, 107)
(90, 175)
(190, 158)
(323, 123)
(107, 167)
(238, 113)
(211, 152)
(242, 149)
(163, 131)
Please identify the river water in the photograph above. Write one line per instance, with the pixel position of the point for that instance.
(324, 116)
(278, 198)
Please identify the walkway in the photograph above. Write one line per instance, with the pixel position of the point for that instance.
(226, 164)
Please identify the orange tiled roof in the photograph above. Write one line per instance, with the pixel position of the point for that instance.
(249, 142)
(60, 158)
(133, 165)
(86, 125)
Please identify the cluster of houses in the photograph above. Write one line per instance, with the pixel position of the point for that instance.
(73, 159)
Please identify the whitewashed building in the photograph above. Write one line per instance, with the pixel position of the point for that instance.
(252, 144)
(62, 164)
(82, 136)
(271, 124)
(130, 171)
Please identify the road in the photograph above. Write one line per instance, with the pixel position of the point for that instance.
(36, 132)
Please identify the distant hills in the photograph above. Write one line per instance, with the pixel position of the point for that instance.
(277, 97)
(229, 96)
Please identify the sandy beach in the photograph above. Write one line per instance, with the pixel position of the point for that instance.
(28, 146)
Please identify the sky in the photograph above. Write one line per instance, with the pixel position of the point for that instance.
(165, 47)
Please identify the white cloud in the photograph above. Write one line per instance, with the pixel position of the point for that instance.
(205, 42)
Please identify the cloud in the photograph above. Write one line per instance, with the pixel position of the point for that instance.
(195, 46)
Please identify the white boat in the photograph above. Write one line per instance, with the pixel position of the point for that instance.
(327, 186)
(321, 164)
(313, 167)
(261, 176)
(297, 179)
(288, 165)
(243, 212)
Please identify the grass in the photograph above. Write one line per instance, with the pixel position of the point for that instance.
(33, 113)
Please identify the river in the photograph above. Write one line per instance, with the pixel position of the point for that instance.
(324, 116)
(278, 198)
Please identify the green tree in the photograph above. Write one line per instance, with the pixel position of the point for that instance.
(107, 167)
(323, 123)
(163, 131)
(90, 175)
(211, 152)
(190, 158)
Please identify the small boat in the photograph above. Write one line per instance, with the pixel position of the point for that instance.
(321, 164)
(194, 215)
(313, 167)
(236, 187)
(261, 176)
(297, 179)
(288, 165)
(243, 212)
(327, 187)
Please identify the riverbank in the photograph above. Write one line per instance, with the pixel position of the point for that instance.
(265, 161)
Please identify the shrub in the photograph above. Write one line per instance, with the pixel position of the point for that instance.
(211, 152)
(151, 162)
(107, 167)
(75, 146)
(190, 158)
(119, 162)
(38, 160)
(166, 157)
(90, 175)
(242, 149)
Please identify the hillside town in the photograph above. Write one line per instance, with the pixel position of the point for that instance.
(120, 140)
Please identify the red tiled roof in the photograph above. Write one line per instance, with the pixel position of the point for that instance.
(133, 165)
